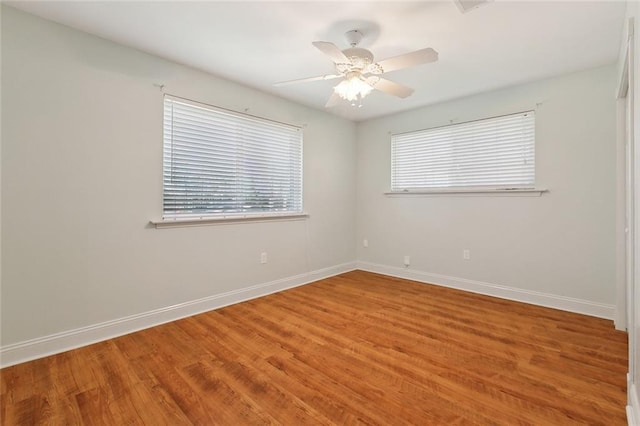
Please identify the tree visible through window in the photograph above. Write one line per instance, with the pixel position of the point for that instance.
(222, 163)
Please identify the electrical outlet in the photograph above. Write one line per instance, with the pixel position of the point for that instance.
(466, 254)
(407, 260)
(263, 257)
(365, 243)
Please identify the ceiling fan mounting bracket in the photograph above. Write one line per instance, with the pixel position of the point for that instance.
(353, 37)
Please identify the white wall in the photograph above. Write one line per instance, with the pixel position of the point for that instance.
(561, 244)
(81, 178)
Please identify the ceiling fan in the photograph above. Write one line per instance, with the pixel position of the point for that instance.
(360, 73)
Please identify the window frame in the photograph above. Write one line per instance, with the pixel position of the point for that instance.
(528, 189)
(294, 159)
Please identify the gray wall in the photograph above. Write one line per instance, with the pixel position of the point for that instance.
(82, 176)
(562, 243)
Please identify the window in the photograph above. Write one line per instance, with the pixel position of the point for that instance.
(218, 163)
(494, 153)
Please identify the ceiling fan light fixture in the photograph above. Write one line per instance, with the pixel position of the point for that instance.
(353, 89)
(361, 74)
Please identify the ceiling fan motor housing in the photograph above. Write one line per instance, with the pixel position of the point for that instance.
(359, 59)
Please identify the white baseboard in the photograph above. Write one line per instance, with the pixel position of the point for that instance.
(72, 339)
(585, 307)
(619, 321)
(60, 342)
(633, 409)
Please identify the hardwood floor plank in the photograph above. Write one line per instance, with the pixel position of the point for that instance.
(188, 399)
(245, 367)
(228, 404)
(358, 348)
(94, 408)
(152, 401)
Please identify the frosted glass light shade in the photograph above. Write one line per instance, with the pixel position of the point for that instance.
(353, 89)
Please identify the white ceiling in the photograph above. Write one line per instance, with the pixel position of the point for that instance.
(260, 43)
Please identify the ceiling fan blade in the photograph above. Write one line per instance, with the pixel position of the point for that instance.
(304, 80)
(389, 87)
(333, 100)
(407, 60)
(332, 51)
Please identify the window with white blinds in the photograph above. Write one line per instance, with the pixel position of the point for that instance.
(494, 153)
(219, 163)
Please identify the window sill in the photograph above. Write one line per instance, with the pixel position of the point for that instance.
(516, 192)
(202, 221)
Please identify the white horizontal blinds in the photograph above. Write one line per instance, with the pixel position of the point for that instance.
(220, 163)
(492, 153)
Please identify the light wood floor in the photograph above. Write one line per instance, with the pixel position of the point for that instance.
(358, 348)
